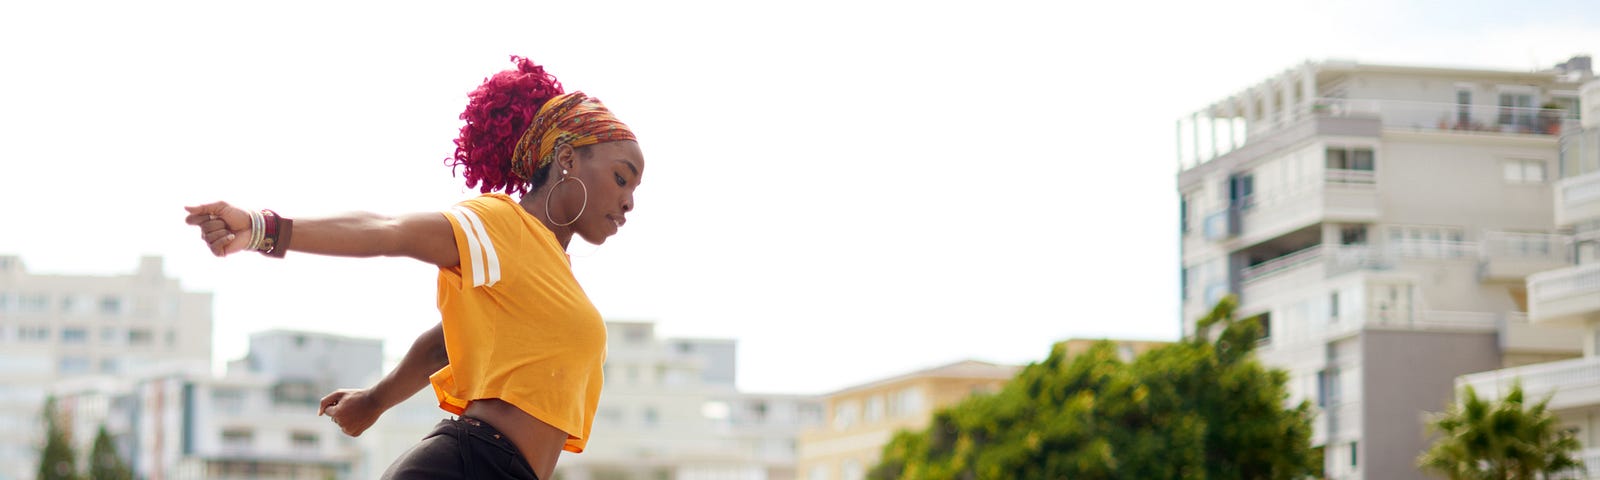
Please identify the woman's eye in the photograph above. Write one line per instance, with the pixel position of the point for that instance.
(620, 181)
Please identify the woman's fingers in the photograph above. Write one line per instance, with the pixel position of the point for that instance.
(220, 245)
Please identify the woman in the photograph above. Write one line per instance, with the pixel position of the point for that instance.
(519, 350)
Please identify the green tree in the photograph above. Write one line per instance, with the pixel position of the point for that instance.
(57, 461)
(104, 463)
(1484, 439)
(1201, 408)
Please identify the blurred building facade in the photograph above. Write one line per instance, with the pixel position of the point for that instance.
(670, 411)
(62, 327)
(1568, 296)
(863, 418)
(1383, 222)
(256, 422)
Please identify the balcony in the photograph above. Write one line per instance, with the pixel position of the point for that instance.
(1448, 117)
(1513, 256)
(1574, 383)
(1578, 199)
(1569, 296)
(1518, 335)
(1209, 136)
(1343, 195)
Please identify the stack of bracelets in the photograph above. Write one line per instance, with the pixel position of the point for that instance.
(269, 233)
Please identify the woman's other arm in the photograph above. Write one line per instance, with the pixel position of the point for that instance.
(356, 409)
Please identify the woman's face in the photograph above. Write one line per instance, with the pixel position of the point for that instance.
(611, 171)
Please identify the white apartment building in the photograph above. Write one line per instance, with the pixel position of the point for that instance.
(670, 411)
(1382, 221)
(55, 327)
(258, 421)
(1568, 296)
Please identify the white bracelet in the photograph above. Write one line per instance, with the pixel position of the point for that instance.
(258, 230)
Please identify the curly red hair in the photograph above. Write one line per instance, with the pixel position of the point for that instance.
(497, 113)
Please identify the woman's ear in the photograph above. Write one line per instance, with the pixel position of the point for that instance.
(566, 158)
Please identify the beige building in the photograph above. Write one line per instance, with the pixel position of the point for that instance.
(1568, 296)
(860, 420)
(1127, 350)
(1383, 221)
(58, 327)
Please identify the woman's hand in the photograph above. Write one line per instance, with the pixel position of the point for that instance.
(353, 410)
(225, 228)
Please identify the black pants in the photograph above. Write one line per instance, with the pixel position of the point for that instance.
(462, 448)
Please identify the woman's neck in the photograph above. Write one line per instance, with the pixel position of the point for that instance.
(535, 204)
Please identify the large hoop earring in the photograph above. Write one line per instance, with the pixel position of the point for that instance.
(552, 192)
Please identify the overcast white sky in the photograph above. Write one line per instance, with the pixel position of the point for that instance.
(850, 189)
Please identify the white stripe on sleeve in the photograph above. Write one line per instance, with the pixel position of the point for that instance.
(472, 246)
(491, 260)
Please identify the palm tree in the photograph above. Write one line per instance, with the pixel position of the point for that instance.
(1483, 439)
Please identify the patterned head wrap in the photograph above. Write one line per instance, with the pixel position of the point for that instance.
(570, 119)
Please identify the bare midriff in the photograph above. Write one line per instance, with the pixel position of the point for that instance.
(539, 442)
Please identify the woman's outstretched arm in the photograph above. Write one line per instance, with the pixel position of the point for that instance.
(356, 409)
(424, 236)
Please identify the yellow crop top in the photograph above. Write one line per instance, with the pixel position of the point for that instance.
(517, 325)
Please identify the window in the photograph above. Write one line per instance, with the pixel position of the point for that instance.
(1524, 171)
(1350, 166)
(237, 438)
(845, 415)
(109, 365)
(140, 336)
(651, 417)
(110, 305)
(33, 334)
(172, 337)
(109, 335)
(38, 303)
(73, 365)
(1463, 109)
(1322, 388)
(76, 335)
(1265, 320)
(852, 470)
(1328, 388)
(1353, 235)
(874, 408)
(1353, 458)
(1183, 214)
(1516, 110)
(1241, 188)
(1333, 306)
(227, 400)
(303, 440)
(906, 402)
(1350, 158)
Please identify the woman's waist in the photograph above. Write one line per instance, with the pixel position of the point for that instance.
(539, 442)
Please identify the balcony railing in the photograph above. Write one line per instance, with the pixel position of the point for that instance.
(1529, 246)
(1447, 116)
(1204, 138)
(1578, 198)
(1557, 284)
(1334, 176)
(1538, 380)
(1286, 262)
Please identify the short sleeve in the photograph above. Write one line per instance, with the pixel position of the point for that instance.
(482, 234)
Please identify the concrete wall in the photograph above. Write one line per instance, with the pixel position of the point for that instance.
(1409, 374)
(1459, 183)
